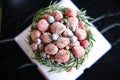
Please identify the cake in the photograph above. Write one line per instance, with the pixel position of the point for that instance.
(60, 37)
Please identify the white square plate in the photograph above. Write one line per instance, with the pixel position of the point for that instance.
(101, 46)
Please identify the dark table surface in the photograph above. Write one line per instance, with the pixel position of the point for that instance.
(18, 14)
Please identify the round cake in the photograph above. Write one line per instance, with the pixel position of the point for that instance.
(60, 37)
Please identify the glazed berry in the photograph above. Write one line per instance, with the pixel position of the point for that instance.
(78, 51)
(62, 42)
(81, 34)
(34, 46)
(57, 27)
(46, 38)
(51, 49)
(41, 47)
(71, 12)
(67, 33)
(57, 15)
(62, 56)
(84, 43)
(35, 34)
(81, 25)
(42, 25)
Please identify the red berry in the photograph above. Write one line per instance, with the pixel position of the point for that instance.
(84, 43)
(35, 34)
(81, 34)
(62, 56)
(70, 12)
(42, 25)
(78, 51)
(45, 16)
(81, 25)
(57, 15)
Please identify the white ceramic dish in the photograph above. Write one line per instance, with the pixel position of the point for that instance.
(101, 46)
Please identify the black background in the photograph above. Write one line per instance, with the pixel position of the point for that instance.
(18, 14)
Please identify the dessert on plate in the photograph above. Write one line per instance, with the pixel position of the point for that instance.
(60, 37)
